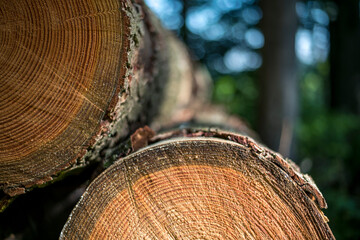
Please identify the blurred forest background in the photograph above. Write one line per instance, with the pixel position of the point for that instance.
(291, 69)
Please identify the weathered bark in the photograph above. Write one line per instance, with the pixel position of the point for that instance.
(77, 79)
(106, 67)
(192, 184)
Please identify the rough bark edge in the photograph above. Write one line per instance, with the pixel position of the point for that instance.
(145, 136)
(264, 155)
(304, 181)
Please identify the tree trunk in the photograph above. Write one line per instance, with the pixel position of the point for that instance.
(76, 80)
(194, 184)
(278, 80)
(344, 54)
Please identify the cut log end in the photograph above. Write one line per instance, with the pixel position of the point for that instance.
(198, 187)
(59, 71)
(76, 80)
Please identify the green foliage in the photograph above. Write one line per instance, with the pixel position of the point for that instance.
(238, 94)
(330, 140)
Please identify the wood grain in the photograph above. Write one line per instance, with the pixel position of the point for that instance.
(196, 188)
(60, 68)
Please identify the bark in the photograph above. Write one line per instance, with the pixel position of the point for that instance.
(194, 183)
(76, 81)
(106, 68)
(278, 80)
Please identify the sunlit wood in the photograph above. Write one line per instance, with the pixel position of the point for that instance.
(198, 188)
(60, 68)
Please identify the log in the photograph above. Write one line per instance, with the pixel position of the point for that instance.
(200, 184)
(76, 79)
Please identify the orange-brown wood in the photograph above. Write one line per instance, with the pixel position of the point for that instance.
(198, 187)
(61, 66)
(77, 78)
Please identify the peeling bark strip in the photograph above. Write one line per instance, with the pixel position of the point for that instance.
(200, 184)
(141, 137)
(77, 80)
